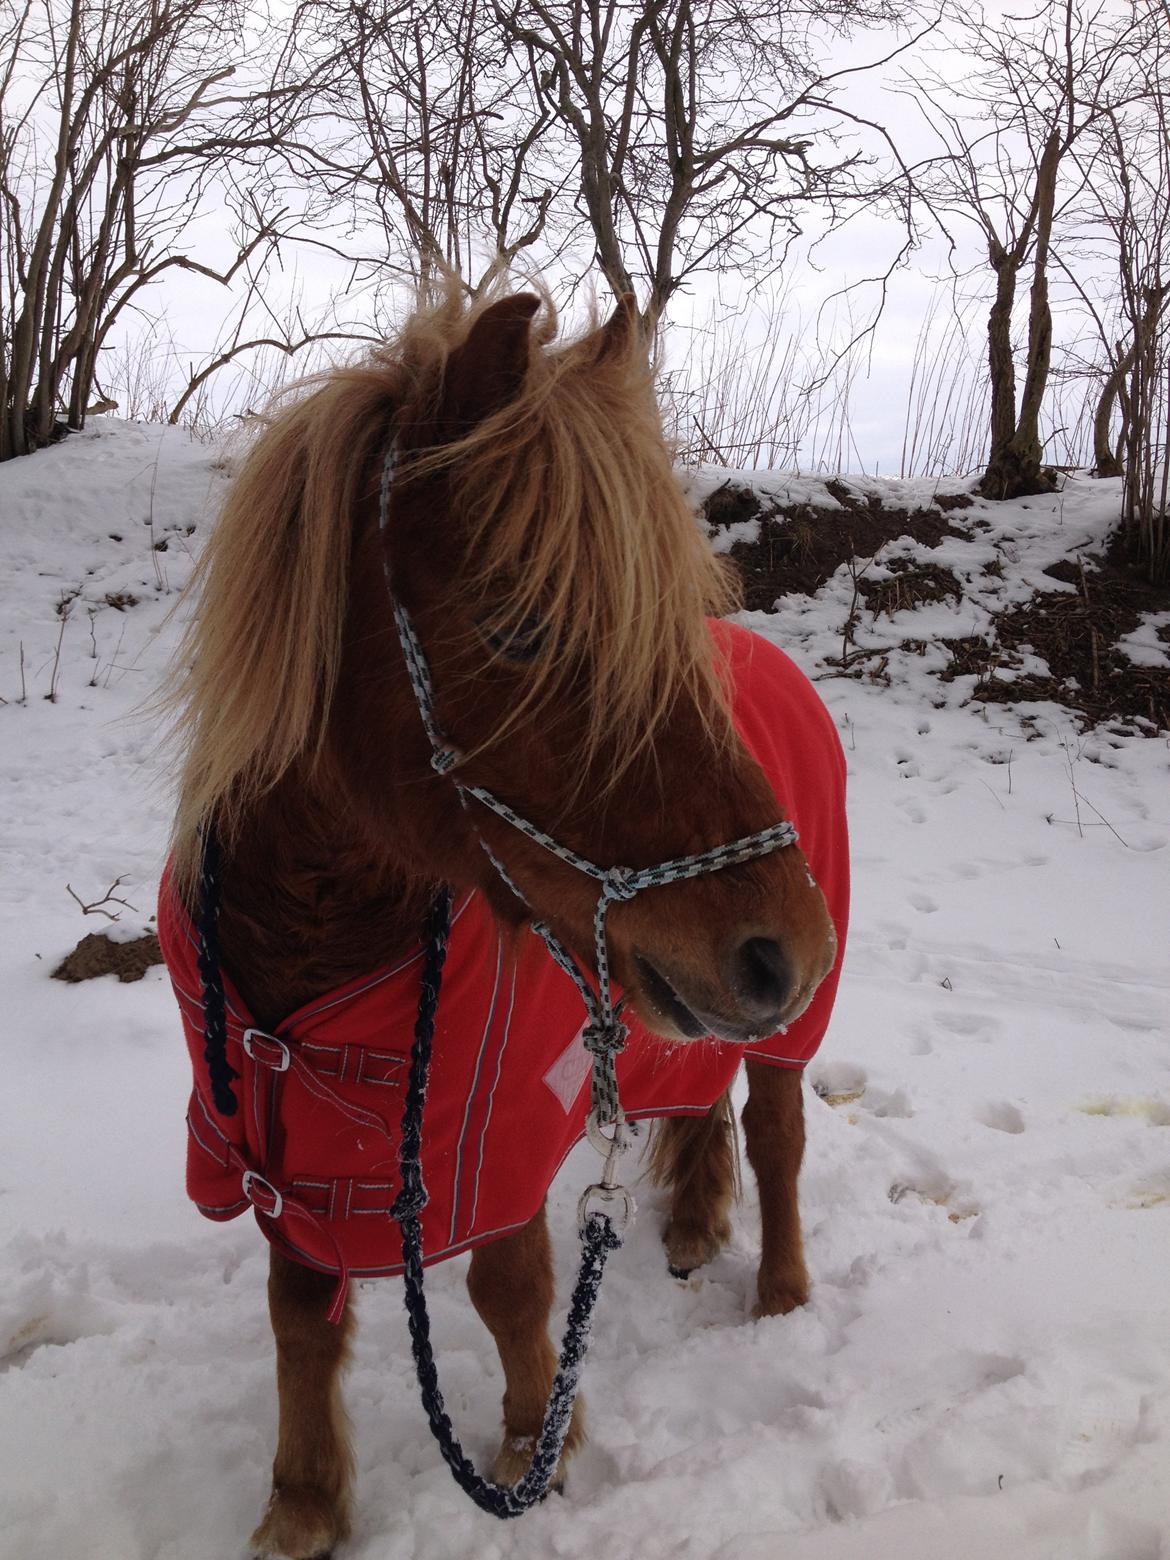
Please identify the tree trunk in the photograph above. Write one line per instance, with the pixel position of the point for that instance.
(1001, 367)
(1014, 466)
(1106, 455)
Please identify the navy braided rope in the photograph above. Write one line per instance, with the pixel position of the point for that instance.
(219, 1071)
(598, 1239)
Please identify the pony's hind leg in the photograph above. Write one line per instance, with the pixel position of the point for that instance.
(697, 1158)
(510, 1282)
(308, 1511)
(773, 1125)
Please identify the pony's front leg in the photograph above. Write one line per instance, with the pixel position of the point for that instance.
(308, 1511)
(510, 1282)
(773, 1125)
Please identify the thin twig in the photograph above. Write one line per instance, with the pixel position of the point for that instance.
(51, 696)
(108, 898)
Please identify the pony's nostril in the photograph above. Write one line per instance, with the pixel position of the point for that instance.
(764, 980)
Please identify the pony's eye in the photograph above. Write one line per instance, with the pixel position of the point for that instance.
(521, 642)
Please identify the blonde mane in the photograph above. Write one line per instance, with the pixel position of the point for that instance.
(577, 529)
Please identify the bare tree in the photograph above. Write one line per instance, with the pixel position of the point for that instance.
(1127, 203)
(117, 121)
(1138, 219)
(1038, 88)
(422, 140)
(700, 133)
(660, 139)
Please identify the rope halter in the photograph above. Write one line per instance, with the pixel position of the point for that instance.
(605, 1031)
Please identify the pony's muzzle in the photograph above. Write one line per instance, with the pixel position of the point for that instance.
(748, 1002)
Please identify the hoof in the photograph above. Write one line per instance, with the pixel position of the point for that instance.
(688, 1248)
(779, 1297)
(515, 1457)
(300, 1524)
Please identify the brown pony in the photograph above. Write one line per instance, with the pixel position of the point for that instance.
(536, 506)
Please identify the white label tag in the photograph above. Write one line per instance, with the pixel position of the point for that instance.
(568, 1073)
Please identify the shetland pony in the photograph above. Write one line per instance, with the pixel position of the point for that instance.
(561, 589)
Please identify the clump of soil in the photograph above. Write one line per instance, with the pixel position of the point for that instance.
(801, 546)
(97, 954)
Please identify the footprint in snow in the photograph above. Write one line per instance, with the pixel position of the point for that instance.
(51, 1328)
(838, 1083)
(1000, 1116)
(938, 1194)
(974, 1026)
(1140, 840)
(923, 903)
(896, 935)
(852, 1489)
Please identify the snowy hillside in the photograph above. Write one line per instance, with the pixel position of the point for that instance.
(983, 1368)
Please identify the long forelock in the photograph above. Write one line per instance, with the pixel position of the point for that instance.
(575, 521)
(579, 540)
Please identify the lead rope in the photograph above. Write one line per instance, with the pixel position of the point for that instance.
(603, 1037)
(598, 1239)
(220, 1072)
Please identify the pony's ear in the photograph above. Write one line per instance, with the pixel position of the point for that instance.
(486, 372)
(621, 330)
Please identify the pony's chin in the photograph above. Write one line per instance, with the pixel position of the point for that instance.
(663, 1011)
(661, 1008)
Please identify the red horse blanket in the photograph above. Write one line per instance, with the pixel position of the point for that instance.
(313, 1145)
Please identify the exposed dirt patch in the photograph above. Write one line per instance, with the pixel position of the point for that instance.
(910, 583)
(803, 545)
(1076, 632)
(973, 655)
(97, 954)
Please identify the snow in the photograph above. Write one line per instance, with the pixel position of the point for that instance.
(982, 1368)
(726, 537)
(1143, 645)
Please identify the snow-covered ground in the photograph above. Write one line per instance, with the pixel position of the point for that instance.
(983, 1368)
